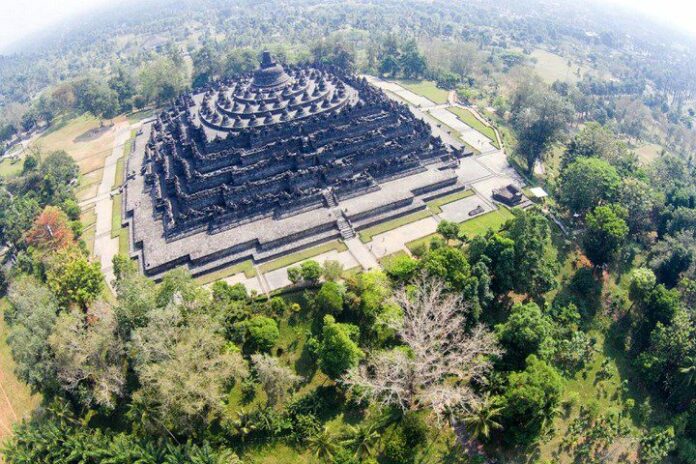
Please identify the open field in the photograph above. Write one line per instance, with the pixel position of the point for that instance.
(116, 216)
(10, 167)
(247, 267)
(426, 89)
(83, 139)
(301, 255)
(552, 67)
(648, 152)
(435, 205)
(88, 218)
(468, 118)
(16, 400)
(367, 234)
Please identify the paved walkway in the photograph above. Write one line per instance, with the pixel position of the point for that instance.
(106, 247)
(362, 254)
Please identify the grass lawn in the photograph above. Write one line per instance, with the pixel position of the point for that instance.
(137, 116)
(291, 259)
(552, 67)
(81, 137)
(247, 267)
(366, 235)
(123, 247)
(120, 173)
(386, 260)
(468, 118)
(116, 216)
(426, 89)
(648, 152)
(476, 226)
(88, 218)
(436, 204)
(10, 167)
(480, 224)
(16, 400)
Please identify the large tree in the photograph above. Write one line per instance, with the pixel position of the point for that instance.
(586, 183)
(605, 233)
(539, 117)
(439, 359)
(89, 355)
(183, 366)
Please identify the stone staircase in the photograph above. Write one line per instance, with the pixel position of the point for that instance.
(347, 231)
(329, 198)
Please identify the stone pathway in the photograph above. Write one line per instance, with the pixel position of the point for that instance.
(106, 247)
(395, 240)
(362, 254)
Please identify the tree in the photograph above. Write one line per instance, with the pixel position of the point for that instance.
(449, 230)
(332, 270)
(323, 445)
(294, 274)
(597, 141)
(482, 418)
(639, 200)
(362, 439)
(674, 257)
(339, 350)
(539, 117)
(183, 367)
(89, 355)
(311, 271)
(276, 380)
(439, 360)
(136, 297)
(330, 298)
(261, 334)
(586, 183)
(32, 316)
(401, 267)
(74, 279)
(51, 230)
(605, 233)
(411, 61)
(526, 331)
(529, 401)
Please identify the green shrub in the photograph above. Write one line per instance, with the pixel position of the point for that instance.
(330, 298)
(261, 334)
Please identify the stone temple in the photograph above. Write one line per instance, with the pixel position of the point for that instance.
(276, 161)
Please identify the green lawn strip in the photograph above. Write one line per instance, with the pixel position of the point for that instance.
(116, 216)
(468, 118)
(123, 246)
(427, 89)
(301, 255)
(436, 204)
(366, 235)
(247, 267)
(480, 224)
(120, 171)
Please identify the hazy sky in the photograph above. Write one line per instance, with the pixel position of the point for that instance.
(22, 17)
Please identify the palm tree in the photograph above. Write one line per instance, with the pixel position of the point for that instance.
(482, 418)
(363, 439)
(323, 445)
(688, 371)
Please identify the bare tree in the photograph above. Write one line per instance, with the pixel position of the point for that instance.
(440, 358)
(275, 378)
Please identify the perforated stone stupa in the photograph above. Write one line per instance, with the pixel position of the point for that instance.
(243, 168)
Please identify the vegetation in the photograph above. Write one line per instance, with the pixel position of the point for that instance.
(366, 235)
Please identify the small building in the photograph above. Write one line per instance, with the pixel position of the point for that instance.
(510, 195)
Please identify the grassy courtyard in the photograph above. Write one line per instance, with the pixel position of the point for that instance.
(120, 171)
(436, 204)
(10, 166)
(476, 226)
(366, 235)
(289, 260)
(468, 118)
(427, 89)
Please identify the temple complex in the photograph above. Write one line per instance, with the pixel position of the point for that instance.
(274, 161)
